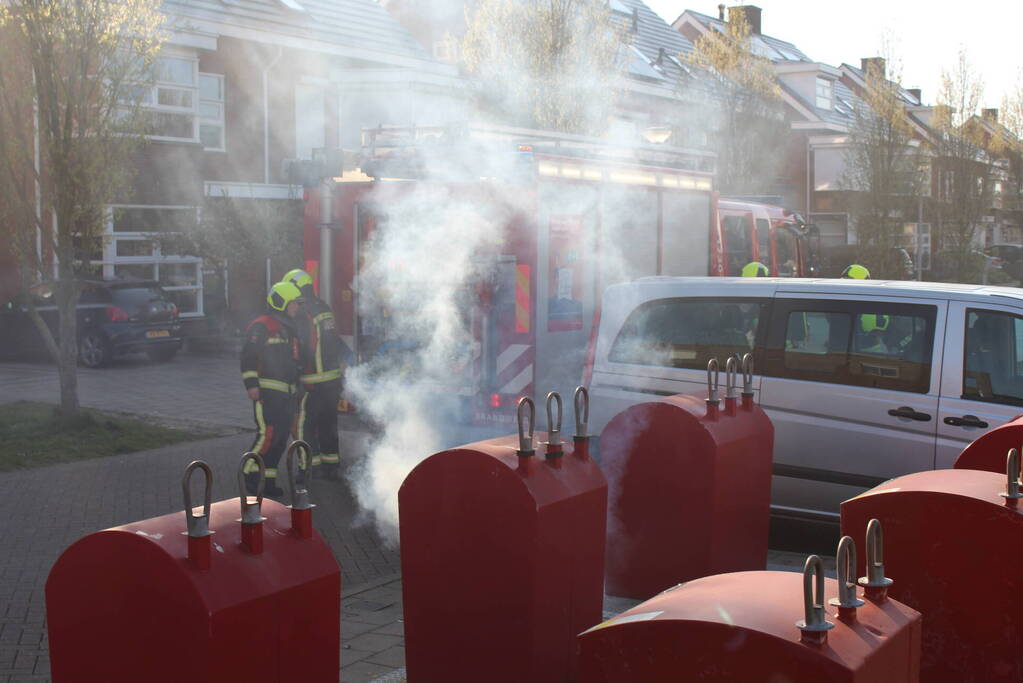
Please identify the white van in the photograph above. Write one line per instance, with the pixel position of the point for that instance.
(864, 380)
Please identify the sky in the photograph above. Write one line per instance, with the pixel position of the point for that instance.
(924, 35)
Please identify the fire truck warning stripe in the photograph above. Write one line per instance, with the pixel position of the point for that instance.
(522, 298)
(511, 353)
(520, 382)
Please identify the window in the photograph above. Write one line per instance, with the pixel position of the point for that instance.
(447, 49)
(788, 252)
(993, 364)
(169, 105)
(130, 252)
(823, 93)
(738, 232)
(619, 6)
(687, 333)
(211, 111)
(884, 346)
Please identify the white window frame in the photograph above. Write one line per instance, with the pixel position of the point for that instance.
(156, 259)
(825, 91)
(153, 103)
(209, 121)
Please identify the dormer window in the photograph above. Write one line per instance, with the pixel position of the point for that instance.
(823, 93)
(620, 7)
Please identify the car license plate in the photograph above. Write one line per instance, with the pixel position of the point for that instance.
(152, 334)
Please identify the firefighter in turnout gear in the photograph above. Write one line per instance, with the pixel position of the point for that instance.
(271, 362)
(321, 378)
(754, 269)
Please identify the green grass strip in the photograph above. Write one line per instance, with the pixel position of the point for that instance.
(36, 434)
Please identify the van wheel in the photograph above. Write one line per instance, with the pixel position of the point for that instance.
(93, 350)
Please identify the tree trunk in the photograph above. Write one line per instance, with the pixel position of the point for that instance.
(67, 357)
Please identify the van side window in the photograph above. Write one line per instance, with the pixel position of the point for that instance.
(993, 364)
(738, 242)
(686, 333)
(886, 346)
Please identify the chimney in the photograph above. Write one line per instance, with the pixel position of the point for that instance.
(721, 11)
(752, 15)
(989, 115)
(876, 62)
(915, 92)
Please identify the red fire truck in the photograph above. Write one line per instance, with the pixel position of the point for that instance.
(583, 214)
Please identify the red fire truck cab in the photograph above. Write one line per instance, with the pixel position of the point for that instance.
(573, 215)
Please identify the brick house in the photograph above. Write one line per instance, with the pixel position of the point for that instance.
(243, 86)
(820, 101)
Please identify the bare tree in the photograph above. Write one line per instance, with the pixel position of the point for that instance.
(1010, 147)
(882, 170)
(70, 72)
(550, 64)
(963, 168)
(747, 122)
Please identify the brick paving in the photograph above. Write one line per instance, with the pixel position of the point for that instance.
(42, 511)
(193, 387)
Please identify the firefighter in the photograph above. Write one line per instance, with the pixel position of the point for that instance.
(856, 272)
(874, 326)
(270, 362)
(321, 378)
(755, 269)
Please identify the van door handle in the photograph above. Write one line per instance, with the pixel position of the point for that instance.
(966, 421)
(906, 411)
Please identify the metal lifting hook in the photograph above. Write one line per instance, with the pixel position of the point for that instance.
(747, 375)
(713, 381)
(581, 401)
(731, 371)
(814, 625)
(251, 512)
(526, 438)
(845, 561)
(198, 527)
(300, 498)
(1012, 493)
(554, 420)
(875, 583)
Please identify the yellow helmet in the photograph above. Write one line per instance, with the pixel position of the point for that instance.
(282, 294)
(870, 322)
(856, 272)
(755, 269)
(298, 277)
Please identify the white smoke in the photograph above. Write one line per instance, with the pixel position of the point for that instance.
(417, 290)
(430, 249)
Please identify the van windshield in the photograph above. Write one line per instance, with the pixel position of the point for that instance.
(687, 333)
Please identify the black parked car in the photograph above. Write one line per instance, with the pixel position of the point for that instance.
(114, 318)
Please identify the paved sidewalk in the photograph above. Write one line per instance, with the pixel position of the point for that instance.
(43, 511)
(190, 387)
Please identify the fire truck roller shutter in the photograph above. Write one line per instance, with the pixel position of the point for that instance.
(686, 238)
(566, 256)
